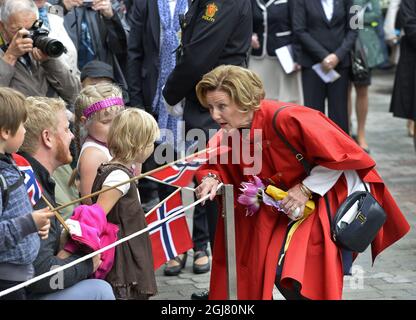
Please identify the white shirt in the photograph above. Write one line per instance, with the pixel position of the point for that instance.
(322, 179)
(116, 177)
(328, 6)
(93, 144)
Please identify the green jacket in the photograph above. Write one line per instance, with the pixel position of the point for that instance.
(368, 35)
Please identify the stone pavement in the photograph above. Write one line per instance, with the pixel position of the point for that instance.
(393, 275)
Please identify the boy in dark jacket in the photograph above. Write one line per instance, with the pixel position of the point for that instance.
(19, 243)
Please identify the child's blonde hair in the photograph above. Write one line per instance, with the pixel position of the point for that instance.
(88, 96)
(42, 113)
(131, 131)
(12, 110)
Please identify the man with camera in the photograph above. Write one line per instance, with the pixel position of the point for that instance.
(99, 32)
(24, 63)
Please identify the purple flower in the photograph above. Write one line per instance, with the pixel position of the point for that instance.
(253, 193)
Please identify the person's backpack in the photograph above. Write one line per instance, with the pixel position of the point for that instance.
(6, 189)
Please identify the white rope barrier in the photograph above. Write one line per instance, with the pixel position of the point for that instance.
(167, 184)
(92, 254)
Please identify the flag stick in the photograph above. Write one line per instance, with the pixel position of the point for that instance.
(57, 214)
(163, 201)
(140, 176)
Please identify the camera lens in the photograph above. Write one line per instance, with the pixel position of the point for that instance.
(53, 48)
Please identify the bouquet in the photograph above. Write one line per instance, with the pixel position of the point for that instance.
(256, 192)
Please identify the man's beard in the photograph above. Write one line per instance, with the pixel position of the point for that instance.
(63, 155)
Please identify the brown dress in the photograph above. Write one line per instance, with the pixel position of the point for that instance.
(132, 275)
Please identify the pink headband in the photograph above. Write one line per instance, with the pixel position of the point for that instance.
(103, 104)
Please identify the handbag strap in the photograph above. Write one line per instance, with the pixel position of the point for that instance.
(306, 165)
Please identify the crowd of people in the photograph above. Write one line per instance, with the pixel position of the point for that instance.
(89, 89)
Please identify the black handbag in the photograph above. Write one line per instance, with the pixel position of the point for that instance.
(359, 67)
(365, 219)
(363, 224)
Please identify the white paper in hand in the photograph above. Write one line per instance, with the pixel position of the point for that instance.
(285, 56)
(74, 227)
(326, 77)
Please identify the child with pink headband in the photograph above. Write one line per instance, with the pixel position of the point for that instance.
(95, 109)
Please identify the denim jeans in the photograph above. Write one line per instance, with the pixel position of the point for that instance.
(90, 289)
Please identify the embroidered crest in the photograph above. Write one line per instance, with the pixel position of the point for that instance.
(210, 12)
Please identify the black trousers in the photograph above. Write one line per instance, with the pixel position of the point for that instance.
(16, 295)
(205, 217)
(204, 224)
(315, 92)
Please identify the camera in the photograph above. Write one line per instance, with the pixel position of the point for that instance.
(52, 47)
(87, 3)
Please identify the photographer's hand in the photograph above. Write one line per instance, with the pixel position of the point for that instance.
(18, 47)
(39, 55)
(69, 4)
(104, 7)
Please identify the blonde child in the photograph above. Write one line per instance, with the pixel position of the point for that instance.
(95, 109)
(131, 139)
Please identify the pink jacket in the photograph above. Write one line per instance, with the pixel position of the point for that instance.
(90, 231)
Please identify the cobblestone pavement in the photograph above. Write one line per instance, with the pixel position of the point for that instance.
(393, 275)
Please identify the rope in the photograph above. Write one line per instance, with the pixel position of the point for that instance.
(92, 254)
(140, 176)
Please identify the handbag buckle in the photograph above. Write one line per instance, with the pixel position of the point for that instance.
(299, 157)
(361, 218)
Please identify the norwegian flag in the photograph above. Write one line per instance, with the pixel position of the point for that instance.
(172, 237)
(33, 188)
(181, 173)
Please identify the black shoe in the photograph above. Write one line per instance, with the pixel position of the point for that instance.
(201, 295)
(201, 268)
(175, 270)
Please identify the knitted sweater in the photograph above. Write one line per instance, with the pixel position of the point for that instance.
(19, 242)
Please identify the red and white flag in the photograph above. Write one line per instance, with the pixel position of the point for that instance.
(172, 237)
(181, 173)
(34, 191)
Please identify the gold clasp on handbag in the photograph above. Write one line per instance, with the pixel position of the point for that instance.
(299, 157)
(361, 218)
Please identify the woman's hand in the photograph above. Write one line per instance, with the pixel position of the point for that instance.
(255, 43)
(330, 62)
(294, 203)
(208, 186)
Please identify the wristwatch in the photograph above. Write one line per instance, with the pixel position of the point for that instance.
(210, 175)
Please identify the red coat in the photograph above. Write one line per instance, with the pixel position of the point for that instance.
(312, 258)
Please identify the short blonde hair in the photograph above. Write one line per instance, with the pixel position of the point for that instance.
(42, 113)
(131, 131)
(12, 110)
(243, 86)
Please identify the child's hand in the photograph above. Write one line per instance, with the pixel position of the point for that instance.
(41, 218)
(44, 231)
(96, 261)
(63, 254)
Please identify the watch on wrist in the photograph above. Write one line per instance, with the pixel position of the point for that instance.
(210, 175)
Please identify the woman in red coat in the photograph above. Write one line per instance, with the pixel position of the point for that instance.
(313, 266)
